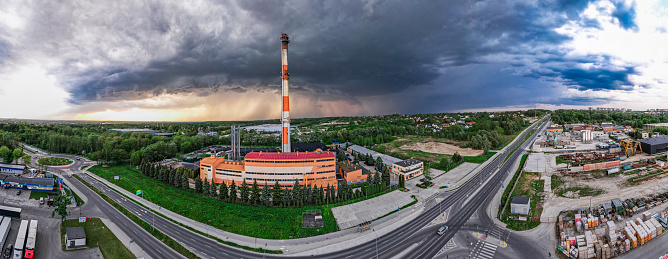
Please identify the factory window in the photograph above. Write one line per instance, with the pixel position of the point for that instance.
(325, 160)
(207, 166)
(227, 170)
(228, 174)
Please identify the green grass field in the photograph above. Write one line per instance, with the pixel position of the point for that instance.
(36, 195)
(255, 221)
(54, 161)
(98, 235)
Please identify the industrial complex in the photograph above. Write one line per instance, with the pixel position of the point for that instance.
(309, 168)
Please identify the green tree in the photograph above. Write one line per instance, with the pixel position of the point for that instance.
(206, 187)
(61, 201)
(255, 193)
(402, 181)
(265, 197)
(135, 157)
(297, 195)
(17, 154)
(223, 193)
(243, 191)
(287, 197)
(185, 184)
(233, 192)
(26, 159)
(316, 195)
(213, 191)
(276, 194)
(444, 163)
(6, 154)
(357, 160)
(198, 185)
(379, 164)
(340, 156)
(426, 172)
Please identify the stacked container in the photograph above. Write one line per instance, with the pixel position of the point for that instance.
(657, 225)
(631, 235)
(612, 234)
(652, 229)
(647, 230)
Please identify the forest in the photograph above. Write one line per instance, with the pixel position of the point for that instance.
(93, 141)
(634, 119)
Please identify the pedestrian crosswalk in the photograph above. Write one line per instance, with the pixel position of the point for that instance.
(483, 250)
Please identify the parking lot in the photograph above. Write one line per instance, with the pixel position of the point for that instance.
(48, 229)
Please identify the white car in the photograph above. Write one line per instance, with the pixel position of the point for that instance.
(442, 230)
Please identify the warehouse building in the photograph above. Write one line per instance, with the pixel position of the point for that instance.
(12, 168)
(520, 205)
(352, 173)
(409, 168)
(32, 184)
(654, 145)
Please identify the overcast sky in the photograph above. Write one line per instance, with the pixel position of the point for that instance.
(220, 60)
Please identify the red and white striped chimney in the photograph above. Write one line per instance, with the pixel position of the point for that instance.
(285, 116)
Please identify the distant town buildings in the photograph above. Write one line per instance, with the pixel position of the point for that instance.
(145, 131)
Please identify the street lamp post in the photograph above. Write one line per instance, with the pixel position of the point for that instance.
(264, 251)
(374, 232)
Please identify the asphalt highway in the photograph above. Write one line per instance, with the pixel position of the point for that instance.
(388, 245)
(153, 247)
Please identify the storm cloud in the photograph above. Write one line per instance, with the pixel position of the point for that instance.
(353, 51)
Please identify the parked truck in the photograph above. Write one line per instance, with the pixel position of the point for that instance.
(5, 225)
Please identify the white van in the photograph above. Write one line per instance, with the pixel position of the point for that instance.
(442, 230)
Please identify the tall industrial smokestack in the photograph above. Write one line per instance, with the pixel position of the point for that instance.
(285, 116)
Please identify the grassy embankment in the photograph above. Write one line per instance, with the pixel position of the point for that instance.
(255, 221)
(156, 233)
(98, 235)
(529, 185)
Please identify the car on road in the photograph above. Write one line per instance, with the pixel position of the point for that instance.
(442, 230)
(8, 251)
(41, 200)
(18, 192)
(422, 180)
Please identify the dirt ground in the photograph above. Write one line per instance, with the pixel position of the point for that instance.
(441, 148)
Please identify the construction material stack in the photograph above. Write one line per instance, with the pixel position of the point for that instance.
(631, 234)
(612, 234)
(590, 239)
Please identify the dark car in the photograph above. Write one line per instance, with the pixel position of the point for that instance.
(18, 192)
(8, 251)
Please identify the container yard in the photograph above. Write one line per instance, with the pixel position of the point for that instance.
(612, 228)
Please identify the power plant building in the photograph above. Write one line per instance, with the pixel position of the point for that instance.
(310, 168)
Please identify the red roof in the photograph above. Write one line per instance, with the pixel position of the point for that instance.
(288, 156)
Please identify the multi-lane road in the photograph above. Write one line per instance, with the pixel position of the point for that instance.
(465, 201)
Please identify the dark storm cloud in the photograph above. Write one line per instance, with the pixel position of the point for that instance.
(340, 50)
(382, 47)
(626, 15)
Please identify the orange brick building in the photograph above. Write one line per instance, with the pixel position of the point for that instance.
(310, 168)
(352, 173)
